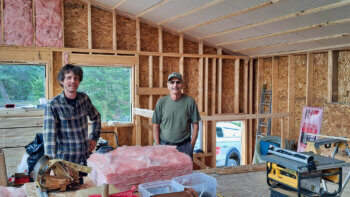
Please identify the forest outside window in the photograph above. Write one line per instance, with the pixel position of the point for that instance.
(22, 85)
(109, 89)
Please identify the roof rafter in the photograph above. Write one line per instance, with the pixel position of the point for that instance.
(300, 13)
(325, 24)
(191, 12)
(155, 6)
(230, 15)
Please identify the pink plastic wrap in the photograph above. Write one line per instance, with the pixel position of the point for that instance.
(48, 18)
(129, 166)
(12, 191)
(18, 23)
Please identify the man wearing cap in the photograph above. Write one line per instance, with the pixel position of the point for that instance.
(173, 117)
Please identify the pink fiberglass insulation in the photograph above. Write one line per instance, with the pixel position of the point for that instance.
(129, 166)
(18, 24)
(48, 19)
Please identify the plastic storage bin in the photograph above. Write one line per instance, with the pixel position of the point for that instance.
(158, 187)
(203, 184)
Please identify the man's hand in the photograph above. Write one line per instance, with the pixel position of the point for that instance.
(92, 145)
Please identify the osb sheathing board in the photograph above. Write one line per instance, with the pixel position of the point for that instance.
(48, 21)
(126, 33)
(75, 24)
(228, 73)
(170, 65)
(343, 77)
(124, 136)
(209, 50)
(191, 77)
(156, 71)
(170, 43)
(101, 28)
(190, 47)
(282, 92)
(299, 93)
(143, 71)
(320, 82)
(57, 65)
(18, 23)
(149, 38)
(266, 77)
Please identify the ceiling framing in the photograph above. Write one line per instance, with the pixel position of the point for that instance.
(254, 28)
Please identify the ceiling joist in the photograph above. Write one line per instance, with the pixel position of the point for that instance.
(118, 4)
(301, 13)
(152, 8)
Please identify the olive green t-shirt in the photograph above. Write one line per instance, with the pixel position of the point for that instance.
(175, 118)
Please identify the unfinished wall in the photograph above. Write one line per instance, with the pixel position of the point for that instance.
(320, 76)
(48, 21)
(191, 70)
(101, 28)
(343, 77)
(57, 65)
(282, 92)
(149, 38)
(75, 24)
(18, 22)
(228, 74)
(170, 43)
(267, 73)
(126, 33)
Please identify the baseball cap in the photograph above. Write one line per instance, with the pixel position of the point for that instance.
(175, 74)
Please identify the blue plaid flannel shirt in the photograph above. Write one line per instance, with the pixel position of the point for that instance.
(66, 128)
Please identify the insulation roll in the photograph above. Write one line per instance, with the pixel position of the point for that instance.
(3, 174)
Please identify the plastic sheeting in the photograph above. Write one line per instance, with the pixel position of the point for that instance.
(48, 19)
(18, 23)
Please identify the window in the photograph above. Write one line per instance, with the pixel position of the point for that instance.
(109, 89)
(22, 85)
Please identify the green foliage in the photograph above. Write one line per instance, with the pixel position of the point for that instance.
(24, 84)
(109, 90)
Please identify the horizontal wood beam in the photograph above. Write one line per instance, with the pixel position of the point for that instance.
(152, 91)
(199, 163)
(18, 112)
(87, 59)
(236, 169)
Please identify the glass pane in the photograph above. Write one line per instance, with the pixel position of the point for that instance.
(22, 85)
(109, 90)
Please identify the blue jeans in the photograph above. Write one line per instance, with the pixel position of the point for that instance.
(184, 147)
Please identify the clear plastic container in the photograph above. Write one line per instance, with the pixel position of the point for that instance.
(158, 187)
(203, 184)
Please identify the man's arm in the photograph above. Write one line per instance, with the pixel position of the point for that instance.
(194, 133)
(95, 118)
(50, 133)
(156, 132)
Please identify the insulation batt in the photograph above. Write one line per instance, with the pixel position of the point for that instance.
(18, 24)
(129, 166)
(48, 18)
(12, 191)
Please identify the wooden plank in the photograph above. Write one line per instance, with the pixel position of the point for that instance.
(16, 137)
(242, 116)
(161, 73)
(244, 143)
(3, 172)
(181, 50)
(291, 89)
(200, 78)
(143, 112)
(236, 87)
(21, 122)
(258, 85)
(280, 18)
(205, 6)
(150, 101)
(89, 26)
(236, 169)
(206, 85)
(282, 133)
(213, 144)
(245, 87)
(250, 122)
(199, 163)
(33, 56)
(155, 6)
(309, 79)
(219, 51)
(118, 4)
(114, 30)
(95, 60)
(138, 35)
(274, 93)
(160, 39)
(316, 26)
(213, 86)
(332, 76)
(236, 13)
(50, 79)
(152, 91)
(19, 112)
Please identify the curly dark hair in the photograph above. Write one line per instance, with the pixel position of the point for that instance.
(66, 69)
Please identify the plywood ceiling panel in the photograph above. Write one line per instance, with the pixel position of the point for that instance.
(135, 7)
(173, 8)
